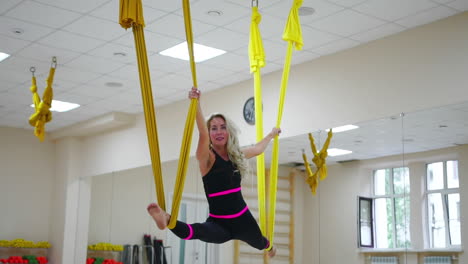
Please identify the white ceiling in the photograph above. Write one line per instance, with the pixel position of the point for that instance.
(84, 35)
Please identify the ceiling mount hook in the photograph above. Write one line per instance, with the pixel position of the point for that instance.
(255, 3)
(32, 70)
(54, 62)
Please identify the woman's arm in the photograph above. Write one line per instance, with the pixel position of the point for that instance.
(203, 148)
(260, 147)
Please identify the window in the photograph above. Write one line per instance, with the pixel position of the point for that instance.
(443, 204)
(391, 207)
(366, 230)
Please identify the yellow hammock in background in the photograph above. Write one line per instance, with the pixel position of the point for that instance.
(319, 161)
(131, 15)
(42, 114)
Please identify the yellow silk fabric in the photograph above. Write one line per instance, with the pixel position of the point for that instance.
(311, 177)
(257, 61)
(189, 123)
(319, 161)
(131, 15)
(42, 114)
(292, 34)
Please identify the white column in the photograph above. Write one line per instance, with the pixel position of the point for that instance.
(70, 205)
(417, 172)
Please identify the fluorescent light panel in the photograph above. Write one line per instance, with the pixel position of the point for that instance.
(3, 56)
(200, 52)
(343, 128)
(59, 106)
(338, 152)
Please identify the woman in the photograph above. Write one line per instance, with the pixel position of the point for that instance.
(221, 164)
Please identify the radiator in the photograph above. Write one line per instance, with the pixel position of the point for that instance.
(438, 260)
(384, 260)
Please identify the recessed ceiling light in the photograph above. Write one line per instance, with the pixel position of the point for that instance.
(306, 11)
(17, 31)
(338, 152)
(214, 13)
(342, 128)
(120, 54)
(201, 52)
(113, 84)
(443, 126)
(408, 140)
(59, 106)
(3, 56)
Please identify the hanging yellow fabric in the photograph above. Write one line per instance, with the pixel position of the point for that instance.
(257, 61)
(131, 15)
(319, 157)
(311, 177)
(293, 35)
(43, 113)
(189, 123)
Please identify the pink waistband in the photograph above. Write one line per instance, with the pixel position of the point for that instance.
(225, 192)
(231, 216)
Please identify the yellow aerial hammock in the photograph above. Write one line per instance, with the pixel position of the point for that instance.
(131, 15)
(319, 161)
(42, 114)
(257, 61)
(292, 34)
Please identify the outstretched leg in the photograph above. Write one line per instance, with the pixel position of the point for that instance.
(159, 215)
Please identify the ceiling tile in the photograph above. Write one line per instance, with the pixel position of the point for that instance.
(378, 32)
(315, 38)
(11, 45)
(110, 11)
(43, 14)
(223, 40)
(95, 64)
(76, 98)
(96, 28)
(442, 1)
(210, 73)
(167, 64)
(115, 52)
(7, 5)
(341, 44)
(82, 6)
(426, 16)
(248, 4)
(45, 53)
(393, 10)
(31, 32)
(228, 12)
(348, 3)
(270, 26)
(461, 5)
(234, 78)
(302, 56)
(70, 41)
(228, 61)
(74, 75)
(14, 76)
(347, 23)
(6, 85)
(173, 26)
(157, 42)
(23, 65)
(169, 84)
(168, 6)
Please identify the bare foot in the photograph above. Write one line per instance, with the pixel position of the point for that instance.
(160, 217)
(272, 252)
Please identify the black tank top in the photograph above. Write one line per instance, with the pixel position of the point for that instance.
(223, 176)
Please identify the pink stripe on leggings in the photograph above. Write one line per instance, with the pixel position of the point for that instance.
(230, 216)
(190, 234)
(224, 192)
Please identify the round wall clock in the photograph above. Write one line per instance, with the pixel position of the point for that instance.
(249, 111)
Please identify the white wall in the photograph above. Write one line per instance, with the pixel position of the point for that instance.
(26, 184)
(330, 217)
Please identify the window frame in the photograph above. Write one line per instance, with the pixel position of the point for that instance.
(371, 214)
(444, 193)
(393, 196)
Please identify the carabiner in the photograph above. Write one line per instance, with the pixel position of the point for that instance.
(54, 62)
(32, 70)
(255, 3)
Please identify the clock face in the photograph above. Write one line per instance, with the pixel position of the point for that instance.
(249, 111)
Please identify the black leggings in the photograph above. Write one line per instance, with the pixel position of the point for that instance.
(219, 230)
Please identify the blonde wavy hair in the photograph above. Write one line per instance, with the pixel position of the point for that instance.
(233, 148)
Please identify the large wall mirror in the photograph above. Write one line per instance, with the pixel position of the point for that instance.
(396, 198)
